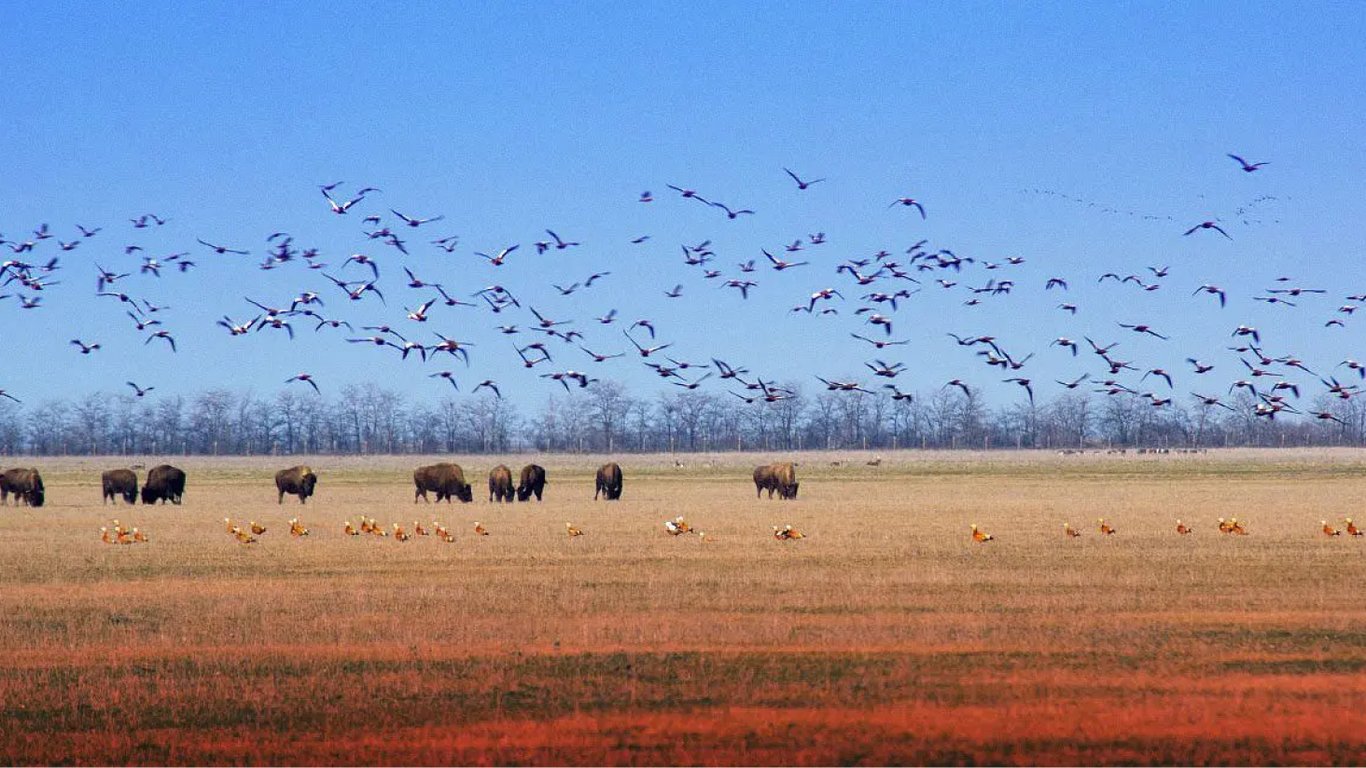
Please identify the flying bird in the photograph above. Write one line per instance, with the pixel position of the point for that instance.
(1246, 166)
(1207, 225)
(222, 249)
(802, 184)
(413, 221)
(909, 202)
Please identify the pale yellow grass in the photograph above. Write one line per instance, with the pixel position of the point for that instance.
(886, 635)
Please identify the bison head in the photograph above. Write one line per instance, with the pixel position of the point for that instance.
(307, 483)
(36, 497)
(464, 493)
(149, 495)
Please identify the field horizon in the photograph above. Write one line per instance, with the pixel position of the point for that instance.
(886, 635)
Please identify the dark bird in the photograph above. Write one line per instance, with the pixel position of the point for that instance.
(1207, 225)
(161, 335)
(802, 184)
(879, 344)
(85, 348)
(139, 391)
(1024, 383)
(1246, 166)
(447, 375)
(413, 221)
(1141, 328)
(560, 244)
(222, 249)
(732, 214)
(688, 193)
(1211, 401)
(1075, 382)
(779, 265)
(909, 202)
(363, 260)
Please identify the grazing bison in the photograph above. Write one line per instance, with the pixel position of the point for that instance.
(446, 480)
(764, 481)
(609, 482)
(779, 476)
(785, 475)
(164, 483)
(25, 484)
(500, 483)
(298, 481)
(120, 482)
(532, 481)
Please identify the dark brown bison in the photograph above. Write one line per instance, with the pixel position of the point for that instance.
(445, 480)
(608, 482)
(120, 482)
(25, 484)
(532, 481)
(164, 483)
(500, 483)
(779, 476)
(764, 481)
(785, 476)
(298, 481)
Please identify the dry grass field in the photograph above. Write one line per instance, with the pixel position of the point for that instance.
(885, 636)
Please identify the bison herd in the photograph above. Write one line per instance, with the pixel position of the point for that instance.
(167, 483)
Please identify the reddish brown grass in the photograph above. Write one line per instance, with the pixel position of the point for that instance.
(886, 636)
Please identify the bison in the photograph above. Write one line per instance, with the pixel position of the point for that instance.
(764, 481)
(785, 476)
(298, 481)
(445, 479)
(25, 484)
(120, 482)
(164, 483)
(532, 481)
(500, 483)
(608, 482)
(780, 477)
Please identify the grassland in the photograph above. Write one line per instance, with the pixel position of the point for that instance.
(885, 636)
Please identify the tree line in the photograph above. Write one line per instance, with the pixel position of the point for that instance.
(369, 419)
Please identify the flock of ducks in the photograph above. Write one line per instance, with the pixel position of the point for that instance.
(1232, 526)
(116, 533)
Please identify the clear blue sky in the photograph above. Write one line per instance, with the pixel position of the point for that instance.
(511, 118)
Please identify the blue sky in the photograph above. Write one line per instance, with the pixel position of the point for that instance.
(511, 118)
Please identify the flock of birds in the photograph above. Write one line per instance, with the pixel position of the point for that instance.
(116, 533)
(1232, 526)
(881, 282)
